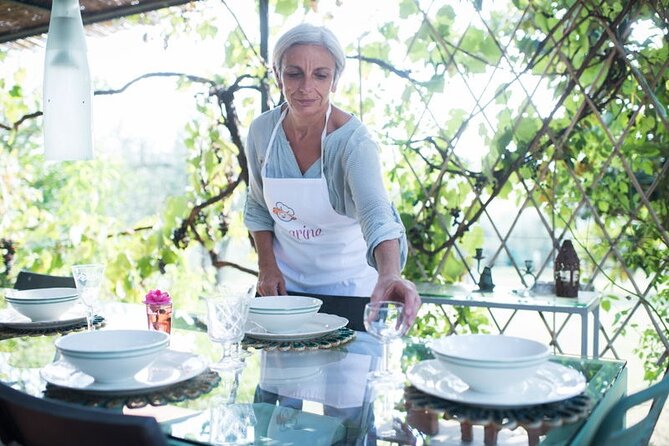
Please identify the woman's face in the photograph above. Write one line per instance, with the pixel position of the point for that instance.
(307, 78)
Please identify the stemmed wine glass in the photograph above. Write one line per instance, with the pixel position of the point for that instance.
(227, 312)
(385, 321)
(88, 279)
(528, 278)
(229, 422)
(387, 420)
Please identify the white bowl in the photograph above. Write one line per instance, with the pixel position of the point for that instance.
(43, 293)
(283, 314)
(284, 304)
(42, 304)
(112, 355)
(497, 364)
(489, 363)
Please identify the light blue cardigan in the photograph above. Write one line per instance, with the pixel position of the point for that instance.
(352, 171)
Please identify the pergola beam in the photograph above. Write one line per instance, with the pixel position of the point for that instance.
(88, 17)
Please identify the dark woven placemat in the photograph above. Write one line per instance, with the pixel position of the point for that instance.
(541, 416)
(9, 332)
(330, 340)
(193, 388)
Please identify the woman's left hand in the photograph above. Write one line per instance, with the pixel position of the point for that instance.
(397, 289)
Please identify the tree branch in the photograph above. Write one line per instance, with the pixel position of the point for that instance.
(404, 74)
(192, 78)
(130, 231)
(223, 263)
(15, 126)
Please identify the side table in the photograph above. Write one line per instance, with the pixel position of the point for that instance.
(587, 303)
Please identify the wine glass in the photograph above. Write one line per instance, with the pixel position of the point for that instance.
(387, 421)
(229, 422)
(385, 321)
(88, 279)
(528, 278)
(227, 312)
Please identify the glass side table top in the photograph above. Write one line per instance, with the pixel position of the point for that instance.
(461, 293)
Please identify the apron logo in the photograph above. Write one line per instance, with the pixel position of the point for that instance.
(305, 233)
(287, 214)
(283, 212)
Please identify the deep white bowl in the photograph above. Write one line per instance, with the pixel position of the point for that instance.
(490, 363)
(283, 314)
(43, 293)
(497, 364)
(45, 304)
(112, 355)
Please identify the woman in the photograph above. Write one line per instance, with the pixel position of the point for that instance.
(317, 210)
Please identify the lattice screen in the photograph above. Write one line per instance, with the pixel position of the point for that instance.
(569, 100)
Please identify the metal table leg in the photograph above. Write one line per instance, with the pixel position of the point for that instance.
(584, 334)
(595, 332)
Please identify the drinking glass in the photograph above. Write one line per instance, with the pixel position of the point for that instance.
(528, 278)
(388, 425)
(227, 312)
(385, 321)
(231, 424)
(88, 279)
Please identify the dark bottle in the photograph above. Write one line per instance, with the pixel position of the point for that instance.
(566, 271)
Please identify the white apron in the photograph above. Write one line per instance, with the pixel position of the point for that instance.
(318, 250)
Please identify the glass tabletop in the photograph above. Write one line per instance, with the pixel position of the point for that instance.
(291, 397)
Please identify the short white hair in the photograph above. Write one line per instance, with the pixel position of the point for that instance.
(308, 34)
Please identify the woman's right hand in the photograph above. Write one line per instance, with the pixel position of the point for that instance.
(271, 282)
(270, 279)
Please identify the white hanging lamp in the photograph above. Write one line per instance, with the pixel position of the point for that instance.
(67, 86)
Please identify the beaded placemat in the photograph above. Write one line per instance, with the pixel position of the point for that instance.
(80, 325)
(193, 388)
(330, 340)
(536, 419)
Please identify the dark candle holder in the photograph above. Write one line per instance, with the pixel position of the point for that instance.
(485, 281)
(479, 256)
(529, 278)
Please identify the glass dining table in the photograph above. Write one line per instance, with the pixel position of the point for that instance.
(312, 394)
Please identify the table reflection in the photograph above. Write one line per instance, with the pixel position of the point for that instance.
(335, 380)
(318, 397)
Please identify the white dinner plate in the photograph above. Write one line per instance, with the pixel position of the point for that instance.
(552, 382)
(11, 318)
(319, 325)
(169, 368)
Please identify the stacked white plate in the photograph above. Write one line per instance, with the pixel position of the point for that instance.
(112, 355)
(490, 363)
(45, 304)
(283, 314)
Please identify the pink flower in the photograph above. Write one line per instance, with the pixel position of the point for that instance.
(157, 297)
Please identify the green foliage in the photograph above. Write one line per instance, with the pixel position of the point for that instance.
(650, 348)
(407, 8)
(286, 7)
